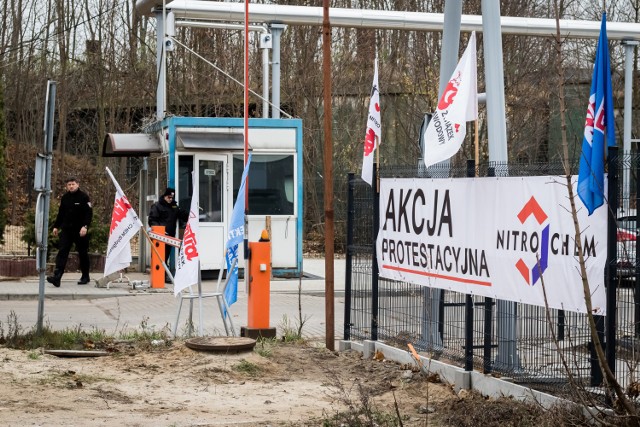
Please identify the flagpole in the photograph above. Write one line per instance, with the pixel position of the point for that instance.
(477, 149)
(246, 142)
(377, 139)
(377, 164)
(199, 299)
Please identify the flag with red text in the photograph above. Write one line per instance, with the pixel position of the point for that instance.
(599, 127)
(373, 136)
(187, 263)
(458, 104)
(124, 225)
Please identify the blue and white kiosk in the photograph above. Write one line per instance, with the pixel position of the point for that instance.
(213, 148)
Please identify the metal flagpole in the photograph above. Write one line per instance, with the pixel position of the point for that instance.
(199, 299)
(477, 147)
(246, 142)
(328, 180)
(377, 138)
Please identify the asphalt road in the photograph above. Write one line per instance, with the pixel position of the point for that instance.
(119, 308)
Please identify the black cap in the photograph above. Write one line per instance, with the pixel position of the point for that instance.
(169, 192)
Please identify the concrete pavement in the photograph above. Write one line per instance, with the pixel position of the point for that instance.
(120, 309)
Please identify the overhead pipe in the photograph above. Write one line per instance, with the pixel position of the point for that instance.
(387, 19)
(219, 25)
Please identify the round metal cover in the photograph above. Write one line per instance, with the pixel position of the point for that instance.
(221, 344)
(77, 353)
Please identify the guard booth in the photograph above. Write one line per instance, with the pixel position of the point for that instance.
(213, 148)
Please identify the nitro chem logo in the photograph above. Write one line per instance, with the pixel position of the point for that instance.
(533, 273)
(536, 238)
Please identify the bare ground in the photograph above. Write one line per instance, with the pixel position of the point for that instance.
(172, 385)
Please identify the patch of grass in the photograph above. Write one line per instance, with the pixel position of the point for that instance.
(11, 331)
(66, 339)
(290, 333)
(247, 368)
(361, 411)
(34, 355)
(478, 410)
(264, 347)
(147, 333)
(361, 418)
(12, 335)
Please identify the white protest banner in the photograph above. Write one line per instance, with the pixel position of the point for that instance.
(492, 237)
(373, 134)
(458, 104)
(187, 265)
(124, 225)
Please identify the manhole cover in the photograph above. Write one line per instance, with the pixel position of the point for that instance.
(77, 353)
(221, 344)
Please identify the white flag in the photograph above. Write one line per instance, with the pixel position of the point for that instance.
(373, 137)
(124, 225)
(458, 105)
(187, 263)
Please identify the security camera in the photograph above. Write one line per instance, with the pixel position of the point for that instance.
(169, 45)
(266, 41)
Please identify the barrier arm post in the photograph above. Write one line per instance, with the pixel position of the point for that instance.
(157, 243)
(258, 270)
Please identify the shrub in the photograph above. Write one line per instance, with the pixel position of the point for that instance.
(98, 232)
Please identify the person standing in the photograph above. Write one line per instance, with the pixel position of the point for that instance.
(166, 212)
(72, 223)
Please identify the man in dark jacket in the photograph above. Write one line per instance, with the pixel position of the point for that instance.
(72, 223)
(166, 212)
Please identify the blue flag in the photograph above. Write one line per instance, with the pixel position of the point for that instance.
(235, 236)
(600, 123)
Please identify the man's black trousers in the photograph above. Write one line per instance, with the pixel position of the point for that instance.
(67, 239)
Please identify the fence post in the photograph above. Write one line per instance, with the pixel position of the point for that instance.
(488, 319)
(349, 258)
(468, 304)
(561, 325)
(507, 328)
(610, 326)
(636, 270)
(374, 258)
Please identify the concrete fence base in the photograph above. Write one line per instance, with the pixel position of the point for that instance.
(17, 267)
(26, 266)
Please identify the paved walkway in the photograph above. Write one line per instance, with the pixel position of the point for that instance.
(120, 308)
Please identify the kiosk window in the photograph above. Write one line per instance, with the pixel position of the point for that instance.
(271, 183)
(211, 187)
(185, 167)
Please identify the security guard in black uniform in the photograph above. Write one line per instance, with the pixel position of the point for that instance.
(166, 212)
(73, 221)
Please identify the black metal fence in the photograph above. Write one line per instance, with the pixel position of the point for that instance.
(22, 200)
(530, 344)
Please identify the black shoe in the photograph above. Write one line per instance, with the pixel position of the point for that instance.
(55, 281)
(83, 281)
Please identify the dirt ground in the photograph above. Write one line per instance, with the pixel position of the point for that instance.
(172, 385)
